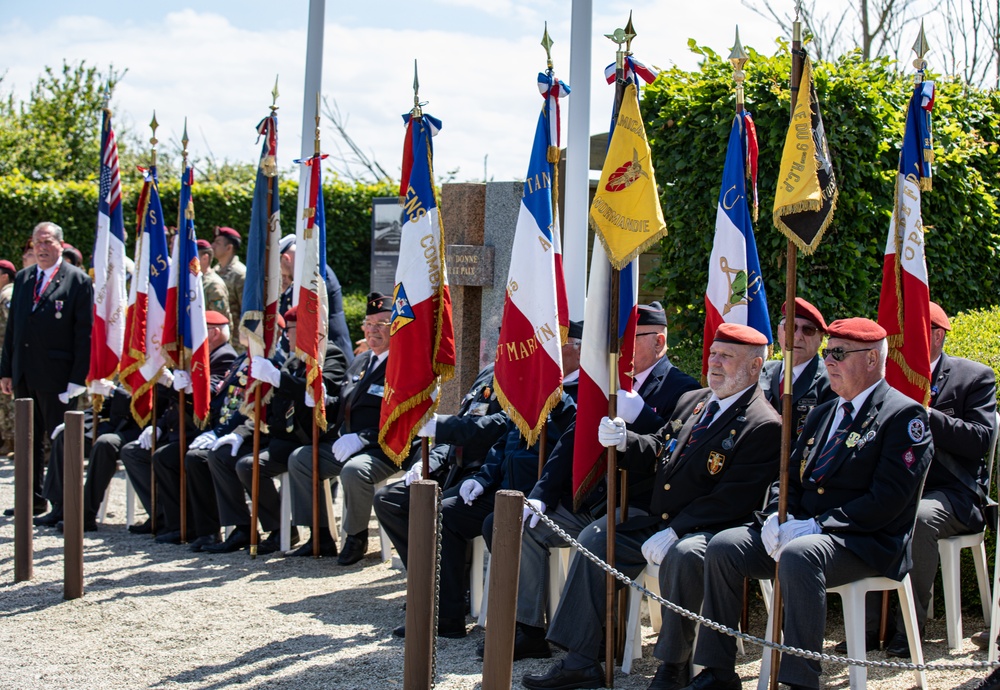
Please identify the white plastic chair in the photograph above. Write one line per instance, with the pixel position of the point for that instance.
(476, 577)
(853, 596)
(102, 512)
(950, 550)
(559, 559)
(338, 531)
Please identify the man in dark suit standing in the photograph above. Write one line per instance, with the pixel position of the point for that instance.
(854, 481)
(46, 349)
(811, 386)
(962, 416)
(714, 461)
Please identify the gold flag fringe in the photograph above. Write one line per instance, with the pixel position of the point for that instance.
(530, 431)
(313, 372)
(619, 265)
(400, 410)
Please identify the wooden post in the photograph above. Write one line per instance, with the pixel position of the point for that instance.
(505, 562)
(24, 451)
(421, 586)
(73, 506)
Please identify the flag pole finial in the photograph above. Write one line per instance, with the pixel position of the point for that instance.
(185, 140)
(738, 57)
(106, 96)
(274, 95)
(547, 44)
(797, 23)
(316, 142)
(921, 48)
(417, 111)
(154, 125)
(629, 34)
(618, 37)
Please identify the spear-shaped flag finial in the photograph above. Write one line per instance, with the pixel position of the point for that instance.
(921, 48)
(547, 44)
(153, 125)
(274, 95)
(629, 34)
(184, 137)
(738, 57)
(416, 112)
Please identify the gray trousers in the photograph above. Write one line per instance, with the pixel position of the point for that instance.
(358, 476)
(809, 565)
(229, 496)
(681, 582)
(138, 461)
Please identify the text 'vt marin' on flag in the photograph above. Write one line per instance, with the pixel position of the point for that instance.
(735, 292)
(185, 333)
(310, 288)
(535, 323)
(143, 360)
(262, 288)
(110, 297)
(807, 187)
(904, 305)
(421, 336)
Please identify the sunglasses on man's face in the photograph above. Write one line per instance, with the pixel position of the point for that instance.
(839, 354)
(808, 330)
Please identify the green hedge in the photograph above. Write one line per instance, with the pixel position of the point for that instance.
(73, 205)
(688, 116)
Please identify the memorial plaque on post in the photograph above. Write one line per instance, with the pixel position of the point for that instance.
(387, 224)
(469, 265)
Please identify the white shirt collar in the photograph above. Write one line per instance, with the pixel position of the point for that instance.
(572, 377)
(798, 369)
(725, 404)
(641, 377)
(934, 364)
(47, 273)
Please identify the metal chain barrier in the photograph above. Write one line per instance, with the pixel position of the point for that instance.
(784, 649)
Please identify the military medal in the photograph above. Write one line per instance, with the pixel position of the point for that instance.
(676, 424)
(729, 442)
(697, 409)
(486, 393)
(852, 439)
(59, 307)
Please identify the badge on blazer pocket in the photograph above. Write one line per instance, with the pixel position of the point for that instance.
(376, 389)
(715, 462)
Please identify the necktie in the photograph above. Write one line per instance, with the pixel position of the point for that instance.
(39, 288)
(699, 429)
(833, 444)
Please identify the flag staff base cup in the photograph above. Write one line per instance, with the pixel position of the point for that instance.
(73, 435)
(24, 450)
(421, 586)
(498, 657)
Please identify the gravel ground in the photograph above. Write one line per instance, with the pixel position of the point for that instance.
(158, 616)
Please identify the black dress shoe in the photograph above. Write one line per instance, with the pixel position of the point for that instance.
(36, 510)
(271, 544)
(49, 519)
(205, 540)
(670, 677)
(89, 525)
(141, 527)
(327, 549)
(708, 680)
(872, 644)
(173, 537)
(560, 678)
(236, 540)
(528, 644)
(898, 646)
(354, 549)
(452, 628)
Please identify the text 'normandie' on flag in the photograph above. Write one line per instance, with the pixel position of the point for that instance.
(904, 305)
(807, 187)
(528, 372)
(421, 337)
(143, 360)
(626, 213)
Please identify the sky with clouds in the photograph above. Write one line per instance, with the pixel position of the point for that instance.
(215, 62)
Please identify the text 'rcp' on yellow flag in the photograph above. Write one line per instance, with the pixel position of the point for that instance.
(626, 213)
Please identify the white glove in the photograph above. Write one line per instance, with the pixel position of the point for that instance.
(611, 432)
(656, 547)
(102, 387)
(540, 505)
(232, 440)
(630, 404)
(182, 381)
(346, 446)
(146, 437)
(769, 534)
(204, 440)
(263, 369)
(72, 390)
(793, 529)
(414, 474)
(166, 379)
(470, 491)
(429, 430)
(58, 430)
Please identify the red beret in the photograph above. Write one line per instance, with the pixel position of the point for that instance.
(740, 334)
(214, 318)
(939, 318)
(804, 310)
(228, 232)
(7, 266)
(292, 315)
(858, 329)
(203, 244)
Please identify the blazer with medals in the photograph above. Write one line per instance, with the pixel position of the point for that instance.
(962, 415)
(358, 406)
(812, 388)
(867, 498)
(49, 347)
(723, 479)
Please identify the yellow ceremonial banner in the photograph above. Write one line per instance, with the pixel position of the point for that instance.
(807, 187)
(626, 213)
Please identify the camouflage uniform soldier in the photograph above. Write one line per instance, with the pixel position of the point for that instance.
(216, 292)
(233, 273)
(7, 274)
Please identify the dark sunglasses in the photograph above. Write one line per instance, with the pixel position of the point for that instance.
(807, 329)
(839, 354)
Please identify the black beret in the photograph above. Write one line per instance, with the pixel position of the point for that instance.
(652, 314)
(378, 302)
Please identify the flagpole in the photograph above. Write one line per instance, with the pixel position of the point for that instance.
(791, 260)
(181, 310)
(97, 400)
(315, 427)
(153, 125)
